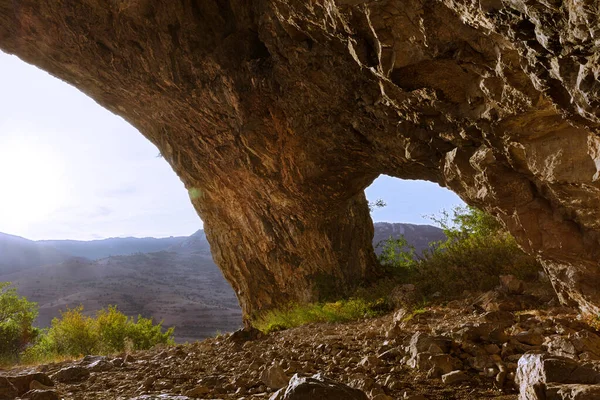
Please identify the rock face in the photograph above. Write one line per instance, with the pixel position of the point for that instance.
(543, 377)
(278, 114)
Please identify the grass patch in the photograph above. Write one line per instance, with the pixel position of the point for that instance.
(336, 312)
(414, 313)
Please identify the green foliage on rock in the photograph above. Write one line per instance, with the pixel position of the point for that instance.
(16, 323)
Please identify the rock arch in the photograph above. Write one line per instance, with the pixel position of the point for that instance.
(278, 114)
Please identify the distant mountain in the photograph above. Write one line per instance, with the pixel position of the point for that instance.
(97, 249)
(17, 253)
(417, 235)
(171, 279)
(197, 242)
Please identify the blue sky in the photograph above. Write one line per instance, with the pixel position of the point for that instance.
(70, 169)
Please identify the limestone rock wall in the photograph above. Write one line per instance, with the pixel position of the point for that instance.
(278, 114)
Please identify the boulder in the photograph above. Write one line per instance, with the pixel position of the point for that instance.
(423, 343)
(35, 385)
(531, 338)
(512, 284)
(7, 390)
(72, 374)
(100, 365)
(559, 345)
(537, 372)
(24, 382)
(436, 364)
(572, 392)
(317, 387)
(198, 391)
(274, 377)
(586, 341)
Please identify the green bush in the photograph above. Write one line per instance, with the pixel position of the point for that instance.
(110, 331)
(477, 250)
(397, 254)
(73, 333)
(16, 318)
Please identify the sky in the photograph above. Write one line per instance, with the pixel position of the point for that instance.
(70, 169)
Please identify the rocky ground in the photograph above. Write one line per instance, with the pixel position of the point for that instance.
(484, 346)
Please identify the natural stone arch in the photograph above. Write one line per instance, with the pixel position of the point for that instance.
(277, 114)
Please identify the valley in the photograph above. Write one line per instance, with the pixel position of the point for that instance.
(177, 282)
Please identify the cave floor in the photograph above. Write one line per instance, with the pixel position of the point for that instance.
(379, 356)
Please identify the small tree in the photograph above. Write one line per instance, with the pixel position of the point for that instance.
(468, 222)
(16, 322)
(379, 203)
(397, 253)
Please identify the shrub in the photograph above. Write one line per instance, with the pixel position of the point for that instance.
(16, 319)
(477, 250)
(144, 335)
(112, 327)
(73, 333)
(397, 254)
(110, 331)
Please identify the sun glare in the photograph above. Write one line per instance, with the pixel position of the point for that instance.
(31, 181)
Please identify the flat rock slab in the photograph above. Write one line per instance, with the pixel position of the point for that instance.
(71, 375)
(573, 392)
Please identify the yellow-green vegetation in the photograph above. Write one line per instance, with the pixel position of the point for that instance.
(477, 250)
(73, 334)
(296, 315)
(414, 313)
(108, 332)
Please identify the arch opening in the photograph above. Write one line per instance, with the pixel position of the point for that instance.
(97, 179)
